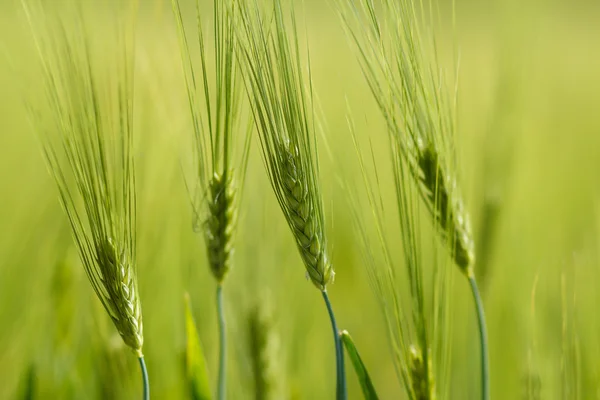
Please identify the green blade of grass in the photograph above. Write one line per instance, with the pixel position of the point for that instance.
(359, 367)
(197, 372)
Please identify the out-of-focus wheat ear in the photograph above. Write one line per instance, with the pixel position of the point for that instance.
(447, 208)
(265, 353)
(421, 375)
(398, 53)
(281, 101)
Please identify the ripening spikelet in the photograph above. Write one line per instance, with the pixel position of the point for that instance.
(303, 222)
(280, 98)
(120, 284)
(264, 353)
(220, 225)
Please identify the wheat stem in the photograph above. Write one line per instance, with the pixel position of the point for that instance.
(485, 373)
(145, 381)
(222, 345)
(341, 392)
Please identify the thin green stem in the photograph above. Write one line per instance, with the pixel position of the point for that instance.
(341, 392)
(222, 345)
(145, 381)
(485, 373)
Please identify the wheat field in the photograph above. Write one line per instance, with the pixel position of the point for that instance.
(528, 157)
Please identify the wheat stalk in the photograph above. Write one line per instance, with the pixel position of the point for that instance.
(280, 100)
(87, 141)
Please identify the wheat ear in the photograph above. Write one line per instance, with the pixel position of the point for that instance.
(421, 375)
(264, 352)
(87, 140)
(220, 224)
(217, 121)
(400, 65)
(280, 102)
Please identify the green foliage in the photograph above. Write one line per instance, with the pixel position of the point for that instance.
(528, 69)
(366, 385)
(196, 369)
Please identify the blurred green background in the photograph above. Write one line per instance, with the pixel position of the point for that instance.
(528, 154)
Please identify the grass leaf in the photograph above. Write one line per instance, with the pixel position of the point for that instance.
(359, 367)
(197, 372)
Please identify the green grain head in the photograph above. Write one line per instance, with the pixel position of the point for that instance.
(280, 100)
(220, 224)
(265, 353)
(218, 124)
(398, 53)
(421, 375)
(120, 283)
(86, 128)
(447, 208)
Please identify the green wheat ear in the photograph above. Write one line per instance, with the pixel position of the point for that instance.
(303, 221)
(87, 136)
(400, 64)
(220, 224)
(279, 97)
(263, 342)
(421, 374)
(220, 130)
(280, 100)
(447, 208)
(218, 125)
(120, 283)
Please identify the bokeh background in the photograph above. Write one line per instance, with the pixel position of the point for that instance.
(528, 155)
